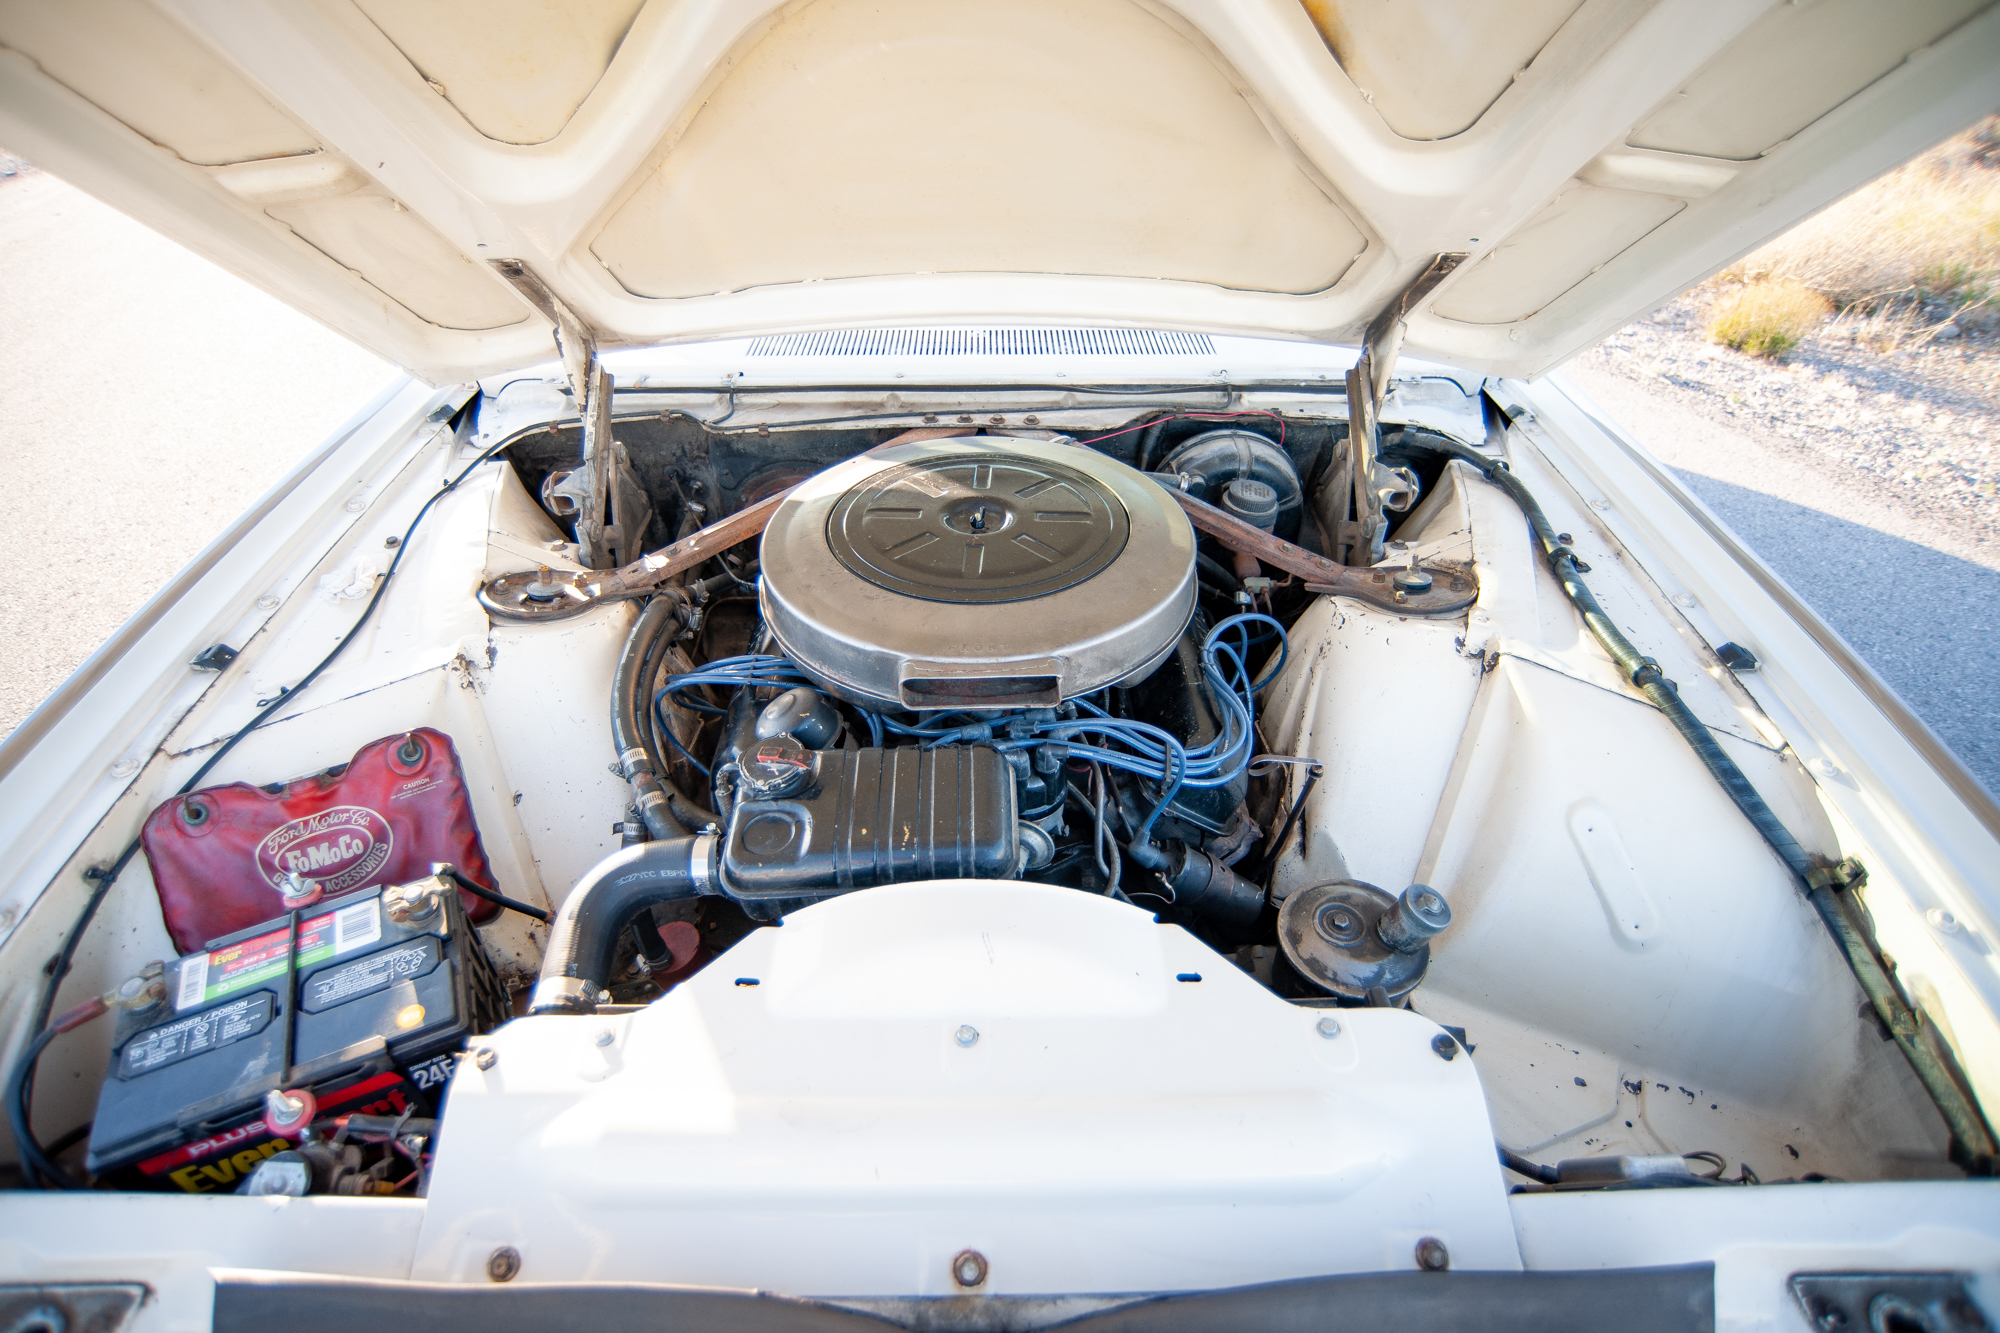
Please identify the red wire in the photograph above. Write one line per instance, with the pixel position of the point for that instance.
(1197, 416)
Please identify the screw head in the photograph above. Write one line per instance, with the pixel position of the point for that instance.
(486, 1057)
(1432, 1256)
(268, 602)
(967, 1035)
(606, 1037)
(969, 1269)
(504, 1264)
(1446, 1048)
(1328, 1027)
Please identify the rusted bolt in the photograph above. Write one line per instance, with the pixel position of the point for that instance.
(930, 418)
(969, 1269)
(504, 1264)
(1432, 1256)
(1031, 421)
(965, 421)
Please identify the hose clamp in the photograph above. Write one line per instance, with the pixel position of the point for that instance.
(563, 995)
(701, 860)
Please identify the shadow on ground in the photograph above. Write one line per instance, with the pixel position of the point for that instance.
(1937, 648)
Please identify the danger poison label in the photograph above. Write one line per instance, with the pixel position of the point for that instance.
(341, 848)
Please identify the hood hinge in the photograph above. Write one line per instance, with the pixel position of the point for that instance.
(608, 509)
(1357, 524)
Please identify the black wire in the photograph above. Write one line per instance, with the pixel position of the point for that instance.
(1514, 1162)
(21, 1081)
(478, 890)
(36, 1168)
(65, 1142)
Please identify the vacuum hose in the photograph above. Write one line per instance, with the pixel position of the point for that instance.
(584, 937)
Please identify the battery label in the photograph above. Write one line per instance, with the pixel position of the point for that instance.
(221, 1161)
(185, 1038)
(207, 977)
(365, 976)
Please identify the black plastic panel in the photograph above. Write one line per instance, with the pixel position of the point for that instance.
(1642, 1300)
(871, 817)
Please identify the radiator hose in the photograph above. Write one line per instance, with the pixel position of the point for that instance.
(631, 686)
(584, 938)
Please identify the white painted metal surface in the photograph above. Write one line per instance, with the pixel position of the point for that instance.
(1758, 1238)
(810, 1114)
(678, 171)
(1612, 912)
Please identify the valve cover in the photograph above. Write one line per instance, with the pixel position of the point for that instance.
(977, 573)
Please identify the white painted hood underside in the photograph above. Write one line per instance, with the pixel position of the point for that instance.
(689, 169)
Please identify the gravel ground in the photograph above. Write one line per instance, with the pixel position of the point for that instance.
(1923, 423)
(150, 398)
(1841, 466)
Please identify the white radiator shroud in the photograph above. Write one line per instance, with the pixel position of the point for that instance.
(841, 1106)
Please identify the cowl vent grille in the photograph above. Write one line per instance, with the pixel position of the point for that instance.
(985, 342)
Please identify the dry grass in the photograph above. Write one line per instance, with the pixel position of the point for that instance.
(1767, 318)
(1904, 255)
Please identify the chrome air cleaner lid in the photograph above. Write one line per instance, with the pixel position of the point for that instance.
(981, 527)
(977, 573)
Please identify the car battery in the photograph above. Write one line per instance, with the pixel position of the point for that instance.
(364, 1001)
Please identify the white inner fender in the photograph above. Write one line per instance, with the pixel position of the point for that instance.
(1090, 1100)
(977, 573)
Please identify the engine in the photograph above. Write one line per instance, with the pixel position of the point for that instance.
(970, 657)
(953, 575)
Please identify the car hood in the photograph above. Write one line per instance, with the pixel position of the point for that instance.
(671, 170)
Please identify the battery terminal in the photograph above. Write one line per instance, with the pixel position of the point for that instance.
(418, 901)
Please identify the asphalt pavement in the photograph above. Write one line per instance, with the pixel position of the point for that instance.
(1914, 593)
(147, 397)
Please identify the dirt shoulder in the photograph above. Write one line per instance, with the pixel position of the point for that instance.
(1917, 430)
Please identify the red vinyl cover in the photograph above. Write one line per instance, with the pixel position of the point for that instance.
(381, 818)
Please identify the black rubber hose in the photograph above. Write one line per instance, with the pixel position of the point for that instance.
(1918, 1041)
(628, 683)
(584, 937)
(1213, 572)
(1148, 442)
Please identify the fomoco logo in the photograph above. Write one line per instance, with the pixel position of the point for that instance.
(342, 848)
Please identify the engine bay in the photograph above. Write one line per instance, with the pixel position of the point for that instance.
(882, 689)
